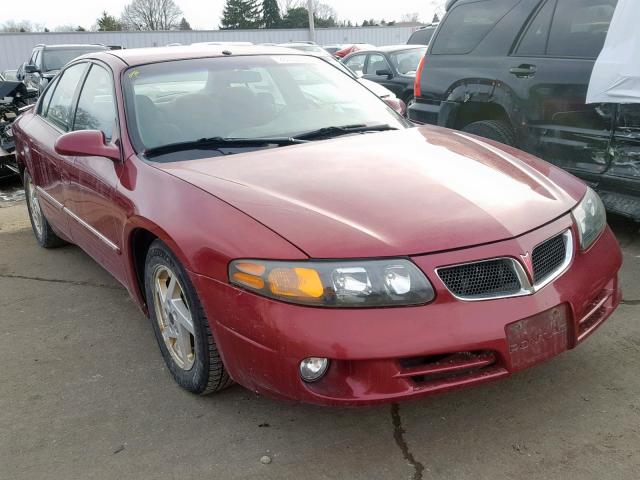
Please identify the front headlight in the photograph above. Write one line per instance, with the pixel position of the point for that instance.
(590, 217)
(369, 283)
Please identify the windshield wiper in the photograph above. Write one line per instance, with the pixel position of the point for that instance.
(328, 132)
(215, 143)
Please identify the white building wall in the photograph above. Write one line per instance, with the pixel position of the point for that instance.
(15, 48)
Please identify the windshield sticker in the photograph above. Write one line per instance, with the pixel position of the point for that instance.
(134, 74)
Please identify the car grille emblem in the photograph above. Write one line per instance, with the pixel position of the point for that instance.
(527, 261)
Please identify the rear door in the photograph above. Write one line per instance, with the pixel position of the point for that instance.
(53, 119)
(551, 67)
(96, 218)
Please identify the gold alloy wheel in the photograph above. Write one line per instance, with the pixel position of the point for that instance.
(174, 317)
(34, 204)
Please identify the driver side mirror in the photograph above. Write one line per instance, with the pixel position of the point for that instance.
(31, 68)
(86, 143)
(385, 72)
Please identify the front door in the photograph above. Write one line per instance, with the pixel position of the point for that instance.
(376, 62)
(96, 219)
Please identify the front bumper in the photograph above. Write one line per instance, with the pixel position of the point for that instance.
(389, 354)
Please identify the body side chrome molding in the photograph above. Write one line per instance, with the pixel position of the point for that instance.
(49, 198)
(104, 239)
(95, 232)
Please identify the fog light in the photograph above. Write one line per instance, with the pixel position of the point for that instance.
(313, 368)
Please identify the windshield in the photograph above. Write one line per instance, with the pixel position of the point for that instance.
(55, 59)
(406, 61)
(246, 97)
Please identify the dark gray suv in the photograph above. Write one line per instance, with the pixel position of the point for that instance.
(517, 71)
(47, 60)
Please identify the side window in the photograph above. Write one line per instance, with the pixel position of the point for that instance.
(580, 28)
(96, 107)
(466, 25)
(38, 59)
(32, 58)
(356, 64)
(421, 37)
(46, 98)
(534, 41)
(376, 62)
(60, 111)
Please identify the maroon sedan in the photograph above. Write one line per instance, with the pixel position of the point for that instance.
(284, 228)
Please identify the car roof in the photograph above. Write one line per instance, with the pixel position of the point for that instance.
(389, 49)
(72, 46)
(141, 56)
(298, 44)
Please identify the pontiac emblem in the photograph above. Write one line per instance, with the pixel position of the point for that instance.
(528, 265)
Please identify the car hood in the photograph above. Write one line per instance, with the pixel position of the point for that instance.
(404, 192)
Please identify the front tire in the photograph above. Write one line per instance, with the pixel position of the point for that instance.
(45, 236)
(180, 324)
(493, 130)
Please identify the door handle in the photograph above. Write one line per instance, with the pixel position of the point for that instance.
(524, 71)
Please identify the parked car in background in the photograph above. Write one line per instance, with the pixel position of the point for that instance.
(283, 228)
(354, 47)
(46, 61)
(9, 75)
(517, 71)
(385, 94)
(332, 49)
(423, 35)
(311, 48)
(393, 67)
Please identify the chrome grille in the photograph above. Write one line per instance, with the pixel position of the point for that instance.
(505, 276)
(548, 257)
(489, 278)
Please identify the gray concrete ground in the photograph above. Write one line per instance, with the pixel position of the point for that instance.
(84, 395)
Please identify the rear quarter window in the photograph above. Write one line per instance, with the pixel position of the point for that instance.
(421, 37)
(467, 24)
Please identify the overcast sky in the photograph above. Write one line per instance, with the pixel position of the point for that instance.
(201, 14)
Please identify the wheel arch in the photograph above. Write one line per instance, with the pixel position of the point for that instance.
(140, 234)
(474, 100)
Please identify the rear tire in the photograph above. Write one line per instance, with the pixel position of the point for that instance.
(496, 130)
(180, 324)
(42, 230)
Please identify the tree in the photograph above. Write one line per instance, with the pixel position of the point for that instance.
(65, 28)
(80, 28)
(240, 14)
(298, 17)
(108, 23)
(184, 25)
(271, 14)
(436, 18)
(151, 15)
(410, 18)
(11, 26)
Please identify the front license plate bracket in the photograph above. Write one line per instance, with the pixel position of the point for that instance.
(538, 338)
